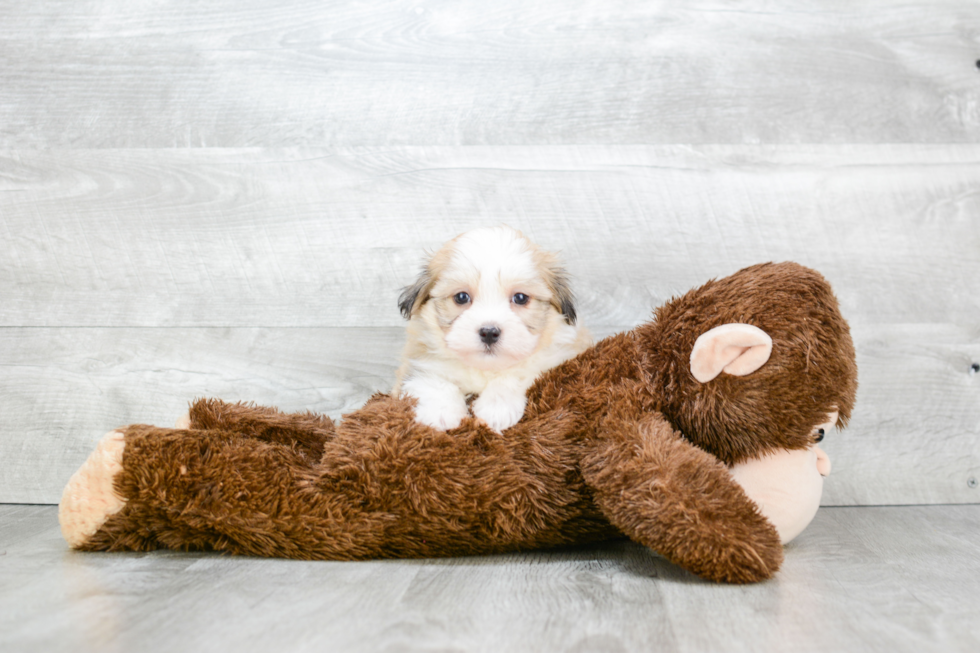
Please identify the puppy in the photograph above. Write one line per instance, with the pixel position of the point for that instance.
(488, 314)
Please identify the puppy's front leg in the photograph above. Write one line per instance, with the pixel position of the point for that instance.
(502, 402)
(441, 404)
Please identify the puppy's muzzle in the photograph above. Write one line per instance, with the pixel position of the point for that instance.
(489, 334)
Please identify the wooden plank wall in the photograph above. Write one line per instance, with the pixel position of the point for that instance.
(225, 199)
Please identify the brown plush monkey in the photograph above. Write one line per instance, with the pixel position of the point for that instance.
(634, 436)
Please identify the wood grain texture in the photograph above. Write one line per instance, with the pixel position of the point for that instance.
(427, 72)
(914, 437)
(877, 579)
(226, 199)
(62, 389)
(327, 238)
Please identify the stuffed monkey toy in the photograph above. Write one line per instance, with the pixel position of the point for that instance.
(648, 434)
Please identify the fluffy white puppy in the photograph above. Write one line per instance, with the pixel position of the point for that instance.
(488, 314)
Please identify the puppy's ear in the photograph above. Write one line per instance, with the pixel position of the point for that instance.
(412, 297)
(557, 279)
(562, 298)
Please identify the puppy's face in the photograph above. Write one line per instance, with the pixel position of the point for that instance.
(491, 296)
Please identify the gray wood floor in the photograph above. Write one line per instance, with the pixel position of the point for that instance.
(888, 579)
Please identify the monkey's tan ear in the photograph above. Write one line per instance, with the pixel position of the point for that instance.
(737, 349)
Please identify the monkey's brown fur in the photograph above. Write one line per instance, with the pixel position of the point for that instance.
(620, 440)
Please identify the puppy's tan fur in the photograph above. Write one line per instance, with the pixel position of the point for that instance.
(445, 361)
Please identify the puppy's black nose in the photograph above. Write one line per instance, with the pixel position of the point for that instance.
(489, 334)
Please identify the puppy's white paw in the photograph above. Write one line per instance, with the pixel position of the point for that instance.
(183, 422)
(500, 410)
(89, 498)
(439, 403)
(443, 415)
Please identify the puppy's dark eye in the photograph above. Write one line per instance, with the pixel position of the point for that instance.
(819, 436)
(520, 299)
(461, 298)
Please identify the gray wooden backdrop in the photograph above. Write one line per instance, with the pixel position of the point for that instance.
(224, 198)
